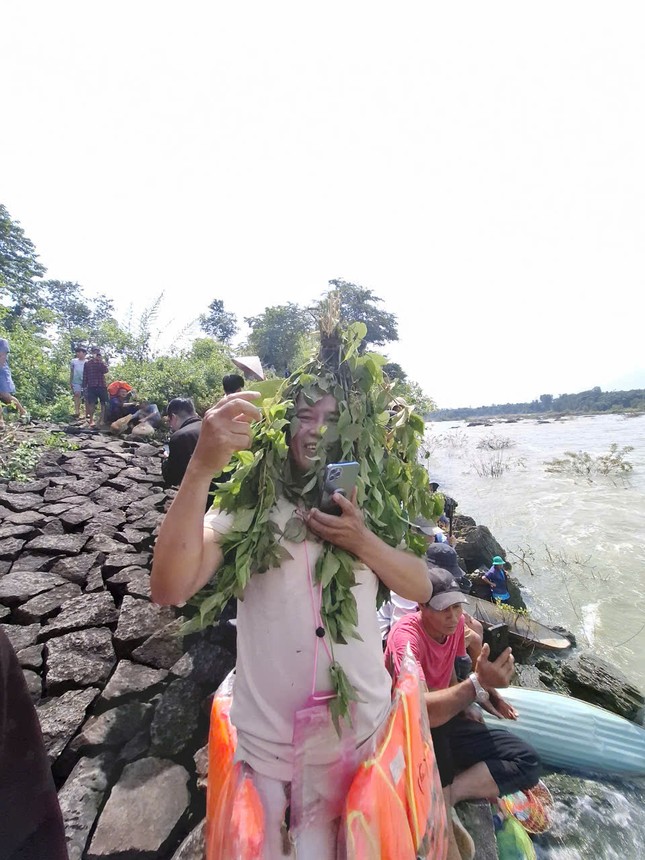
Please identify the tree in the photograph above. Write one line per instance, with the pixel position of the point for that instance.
(547, 401)
(218, 323)
(395, 371)
(277, 334)
(19, 267)
(66, 299)
(360, 305)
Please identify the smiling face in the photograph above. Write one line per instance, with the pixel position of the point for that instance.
(303, 446)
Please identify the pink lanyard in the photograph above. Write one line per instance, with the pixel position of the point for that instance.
(320, 629)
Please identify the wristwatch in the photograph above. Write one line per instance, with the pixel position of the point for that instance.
(481, 695)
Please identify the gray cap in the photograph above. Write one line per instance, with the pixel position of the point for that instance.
(424, 525)
(445, 589)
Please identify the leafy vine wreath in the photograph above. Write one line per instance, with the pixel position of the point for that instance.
(392, 486)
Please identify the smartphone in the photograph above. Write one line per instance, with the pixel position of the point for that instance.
(497, 638)
(339, 478)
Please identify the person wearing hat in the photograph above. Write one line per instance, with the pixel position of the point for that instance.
(495, 576)
(474, 761)
(94, 385)
(76, 367)
(7, 387)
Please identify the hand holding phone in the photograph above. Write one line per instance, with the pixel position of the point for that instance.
(497, 639)
(338, 478)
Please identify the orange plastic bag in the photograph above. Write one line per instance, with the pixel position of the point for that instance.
(395, 809)
(234, 814)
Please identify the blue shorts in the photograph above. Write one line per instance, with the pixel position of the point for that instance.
(6, 382)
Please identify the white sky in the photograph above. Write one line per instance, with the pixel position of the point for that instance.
(480, 166)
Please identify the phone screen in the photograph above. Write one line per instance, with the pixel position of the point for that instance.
(338, 478)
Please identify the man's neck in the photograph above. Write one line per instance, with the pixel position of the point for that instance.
(431, 633)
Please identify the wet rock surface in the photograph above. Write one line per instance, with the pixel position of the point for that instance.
(120, 728)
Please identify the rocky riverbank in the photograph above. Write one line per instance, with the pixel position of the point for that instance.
(122, 699)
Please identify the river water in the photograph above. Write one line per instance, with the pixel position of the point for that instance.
(577, 545)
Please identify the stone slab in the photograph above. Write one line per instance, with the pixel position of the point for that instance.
(82, 658)
(61, 717)
(86, 610)
(80, 800)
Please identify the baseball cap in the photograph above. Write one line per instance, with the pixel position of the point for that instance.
(423, 525)
(445, 589)
(444, 556)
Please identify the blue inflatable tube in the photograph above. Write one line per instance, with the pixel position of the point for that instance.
(574, 735)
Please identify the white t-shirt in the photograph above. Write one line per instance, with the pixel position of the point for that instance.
(393, 610)
(76, 366)
(276, 641)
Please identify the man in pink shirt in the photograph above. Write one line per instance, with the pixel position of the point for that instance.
(473, 760)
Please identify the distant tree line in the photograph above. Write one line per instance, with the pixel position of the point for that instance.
(584, 402)
(45, 319)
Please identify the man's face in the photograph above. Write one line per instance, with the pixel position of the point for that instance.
(174, 422)
(443, 622)
(122, 393)
(304, 442)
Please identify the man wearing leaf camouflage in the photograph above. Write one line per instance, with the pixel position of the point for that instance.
(285, 648)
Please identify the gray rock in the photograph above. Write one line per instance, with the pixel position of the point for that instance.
(149, 520)
(28, 486)
(135, 537)
(94, 581)
(146, 450)
(31, 657)
(134, 473)
(44, 605)
(80, 800)
(27, 518)
(63, 544)
(193, 846)
(139, 619)
(21, 636)
(77, 488)
(47, 471)
(20, 586)
(163, 649)
(201, 765)
(176, 718)
(142, 811)
(130, 679)
(205, 663)
(117, 560)
(61, 717)
(79, 659)
(131, 580)
(529, 676)
(477, 546)
(87, 610)
(13, 530)
(113, 728)
(116, 499)
(33, 561)
(102, 543)
(34, 684)
(53, 527)
(95, 528)
(22, 501)
(5, 612)
(76, 569)
(595, 680)
(56, 509)
(80, 514)
(10, 547)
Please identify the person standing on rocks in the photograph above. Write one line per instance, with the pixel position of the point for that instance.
(94, 385)
(31, 824)
(76, 367)
(285, 649)
(7, 387)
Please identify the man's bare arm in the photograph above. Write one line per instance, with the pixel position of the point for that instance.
(401, 571)
(186, 554)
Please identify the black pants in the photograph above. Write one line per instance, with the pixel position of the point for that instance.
(31, 825)
(461, 743)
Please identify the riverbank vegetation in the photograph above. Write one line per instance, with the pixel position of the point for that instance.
(44, 320)
(590, 402)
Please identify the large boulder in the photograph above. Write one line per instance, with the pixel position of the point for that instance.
(595, 680)
(477, 546)
(79, 659)
(143, 811)
(80, 800)
(61, 717)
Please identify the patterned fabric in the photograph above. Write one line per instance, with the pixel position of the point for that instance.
(94, 374)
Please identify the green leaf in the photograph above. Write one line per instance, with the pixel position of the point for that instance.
(330, 566)
(295, 529)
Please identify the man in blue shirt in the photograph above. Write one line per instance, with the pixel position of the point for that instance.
(496, 578)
